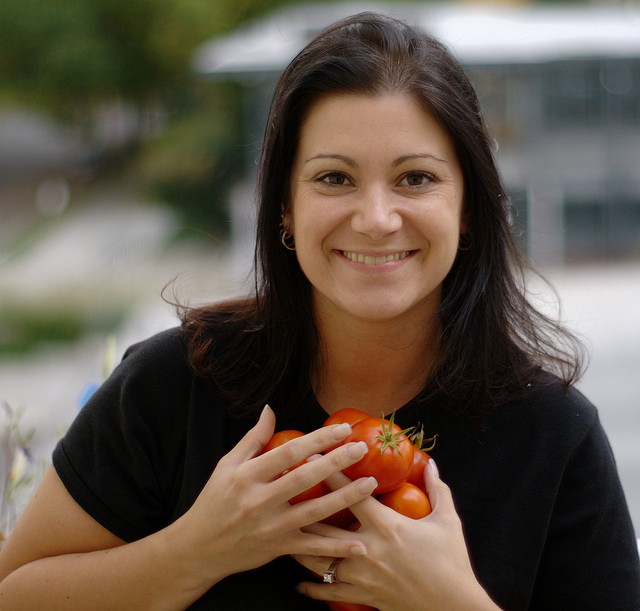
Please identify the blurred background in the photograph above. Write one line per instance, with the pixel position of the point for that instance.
(129, 133)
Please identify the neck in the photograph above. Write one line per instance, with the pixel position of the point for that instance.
(373, 367)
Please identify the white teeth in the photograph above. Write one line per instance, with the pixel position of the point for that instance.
(372, 260)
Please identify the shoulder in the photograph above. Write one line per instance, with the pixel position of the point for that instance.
(165, 348)
(549, 409)
(153, 383)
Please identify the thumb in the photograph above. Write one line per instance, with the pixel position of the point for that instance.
(255, 439)
(439, 493)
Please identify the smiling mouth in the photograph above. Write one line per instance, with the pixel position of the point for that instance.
(373, 259)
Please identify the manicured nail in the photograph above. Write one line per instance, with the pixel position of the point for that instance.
(340, 431)
(434, 467)
(357, 450)
(367, 486)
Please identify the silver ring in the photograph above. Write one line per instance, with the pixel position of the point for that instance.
(330, 575)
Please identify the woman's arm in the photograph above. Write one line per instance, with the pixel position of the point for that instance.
(59, 557)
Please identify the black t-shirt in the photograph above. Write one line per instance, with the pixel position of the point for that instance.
(535, 485)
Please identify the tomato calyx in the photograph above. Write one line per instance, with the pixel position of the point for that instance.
(418, 440)
(389, 439)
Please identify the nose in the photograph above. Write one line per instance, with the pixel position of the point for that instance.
(375, 214)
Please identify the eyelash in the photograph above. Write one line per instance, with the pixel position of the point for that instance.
(325, 178)
(429, 178)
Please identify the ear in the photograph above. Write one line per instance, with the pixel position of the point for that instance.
(287, 219)
(464, 222)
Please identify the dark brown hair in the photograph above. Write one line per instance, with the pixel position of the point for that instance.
(492, 340)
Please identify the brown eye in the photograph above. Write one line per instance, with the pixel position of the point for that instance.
(417, 179)
(334, 178)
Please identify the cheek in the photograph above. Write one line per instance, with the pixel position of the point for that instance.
(442, 223)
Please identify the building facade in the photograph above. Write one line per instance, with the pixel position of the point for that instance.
(560, 87)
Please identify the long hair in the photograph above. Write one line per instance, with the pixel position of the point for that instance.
(492, 339)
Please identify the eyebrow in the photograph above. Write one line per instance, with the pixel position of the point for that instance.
(350, 162)
(404, 158)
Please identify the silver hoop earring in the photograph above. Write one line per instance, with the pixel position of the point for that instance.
(465, 241)
(287, 239)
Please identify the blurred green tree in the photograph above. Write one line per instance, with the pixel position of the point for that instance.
(74, 58)
(66, 54)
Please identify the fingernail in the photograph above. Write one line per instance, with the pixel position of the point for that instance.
(434, 467)
(367, 486)
(357, 450)
(340, 431)
(358, 550)
(301, 589)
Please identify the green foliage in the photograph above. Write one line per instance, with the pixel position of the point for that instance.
(69, 57)
(196, 160)
(23, 328)
(62, 54)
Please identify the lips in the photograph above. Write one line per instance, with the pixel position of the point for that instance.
(357, 257)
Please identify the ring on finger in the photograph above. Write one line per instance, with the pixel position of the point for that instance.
(331, 574)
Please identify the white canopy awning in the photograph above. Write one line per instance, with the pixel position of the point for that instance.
(477, 34)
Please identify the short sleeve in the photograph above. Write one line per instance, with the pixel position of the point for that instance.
(122, 455)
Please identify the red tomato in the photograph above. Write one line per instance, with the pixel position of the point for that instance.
(420, 460)
(408, 500)
(336, 605)
(346, 414)
(390, 455)
(280, 438)
(315, 492)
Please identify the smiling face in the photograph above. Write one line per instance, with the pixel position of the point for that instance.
(375, 208)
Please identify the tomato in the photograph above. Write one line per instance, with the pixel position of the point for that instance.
(389, 457)
(280, 438)
(346, 414)
(336, 605)
(420, 460)
(420, 456)
(408, 500)
(315, 492)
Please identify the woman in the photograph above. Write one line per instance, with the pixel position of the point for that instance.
(385, 282)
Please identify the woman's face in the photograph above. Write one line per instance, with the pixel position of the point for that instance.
(376, 207)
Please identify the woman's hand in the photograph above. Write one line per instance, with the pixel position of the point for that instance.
(410, 564)
(242, 519)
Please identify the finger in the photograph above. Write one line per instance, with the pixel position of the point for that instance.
(319, 468)
(328, 530)
(316, 510)
(439, 493)
(337, 481)
(255, 439)
(365, 508)
(320, 564)
(309, 545)
(316, 564)
(296, 451)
